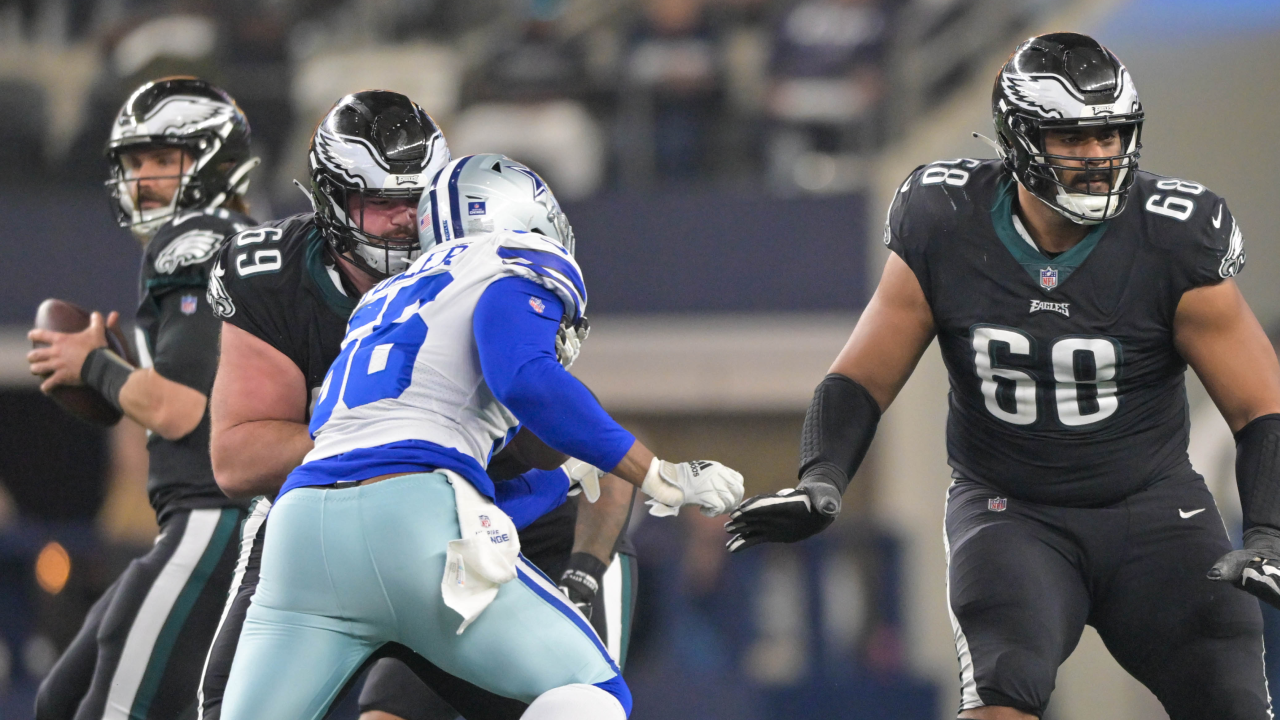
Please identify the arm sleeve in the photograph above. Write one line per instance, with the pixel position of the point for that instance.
(530, 496)
(515, 329)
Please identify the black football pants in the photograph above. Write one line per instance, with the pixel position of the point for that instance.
(1024, 579)
(139, 653)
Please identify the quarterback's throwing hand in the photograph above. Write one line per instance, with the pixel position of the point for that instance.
(1256, 568)
(786, 516)
(711, 485)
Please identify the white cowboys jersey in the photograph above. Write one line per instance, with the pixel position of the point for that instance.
(409, 368)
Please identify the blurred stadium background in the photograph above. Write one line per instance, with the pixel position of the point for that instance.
(726, 165)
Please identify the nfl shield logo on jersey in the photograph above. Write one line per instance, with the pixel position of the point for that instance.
(537, 305)
(188, 304)
(1049, 278)
(484, 521)
(997, 504)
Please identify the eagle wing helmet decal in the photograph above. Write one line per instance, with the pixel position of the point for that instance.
(1049, 96)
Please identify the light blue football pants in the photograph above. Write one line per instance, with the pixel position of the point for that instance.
(346, 570)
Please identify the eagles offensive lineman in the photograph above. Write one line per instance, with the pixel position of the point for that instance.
(284, 324)
(179, 154)
(1068, 291)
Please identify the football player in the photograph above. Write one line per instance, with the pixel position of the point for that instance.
(388, 533)
(283, 327)
(1069, 291)
(179, 156)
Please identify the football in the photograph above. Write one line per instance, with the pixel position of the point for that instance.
(83, 402)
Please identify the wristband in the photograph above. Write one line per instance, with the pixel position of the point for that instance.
(106, 372)
(586, 570)
(659, 489)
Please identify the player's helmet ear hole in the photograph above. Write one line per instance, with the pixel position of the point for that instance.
(536, 230)
(497, 167)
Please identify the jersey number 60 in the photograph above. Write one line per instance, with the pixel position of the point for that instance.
(1084, 373)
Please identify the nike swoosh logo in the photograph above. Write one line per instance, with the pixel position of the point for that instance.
(1217, 221)
(1184, 515)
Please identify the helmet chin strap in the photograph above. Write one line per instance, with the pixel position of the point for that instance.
(1088, 209)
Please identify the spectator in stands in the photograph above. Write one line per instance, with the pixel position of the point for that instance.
(530, 107)
(826, 79)
(673, 75)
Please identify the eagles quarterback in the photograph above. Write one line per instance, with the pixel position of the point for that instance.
(179, 155)
(388, 533)
(285, 291)
(1069, 291)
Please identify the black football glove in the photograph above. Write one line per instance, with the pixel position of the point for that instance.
(1256, 568)
(786, 516)
(581, 580)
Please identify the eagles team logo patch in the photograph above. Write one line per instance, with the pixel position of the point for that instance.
(537, 305)
(1048, 278)
(476, 208)
(189, 303)
(997, 504)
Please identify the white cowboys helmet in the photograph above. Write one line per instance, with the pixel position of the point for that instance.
(481, 194)
(190, 114)
(377, 144)
(1062, 81)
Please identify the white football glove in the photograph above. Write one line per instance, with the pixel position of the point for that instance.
(569, 341)
(583, 478)
(715, 488)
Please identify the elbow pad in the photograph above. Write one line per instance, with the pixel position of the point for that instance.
(1258, 471)
(838, 429)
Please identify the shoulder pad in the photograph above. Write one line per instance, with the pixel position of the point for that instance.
(938, 193)
(217, 295)
(546, 262)
(193, 247)
(1194, 224)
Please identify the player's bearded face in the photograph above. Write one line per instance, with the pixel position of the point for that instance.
(154, 174)
(1090, 169)
(390, 218)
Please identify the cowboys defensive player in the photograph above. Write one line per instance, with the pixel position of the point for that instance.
(388, 532)
(179, 155)
(283, 326)
(1069, 291)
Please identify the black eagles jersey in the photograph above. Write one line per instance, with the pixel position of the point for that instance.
(178, 336)
(273, 283)
(1066, 387)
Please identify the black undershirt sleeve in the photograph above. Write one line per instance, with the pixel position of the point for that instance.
(838, 429)
(1258, 472)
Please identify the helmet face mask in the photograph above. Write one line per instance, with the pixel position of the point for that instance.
(372, 145)
(488, 193)
(1068, 83)
(191, 115)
